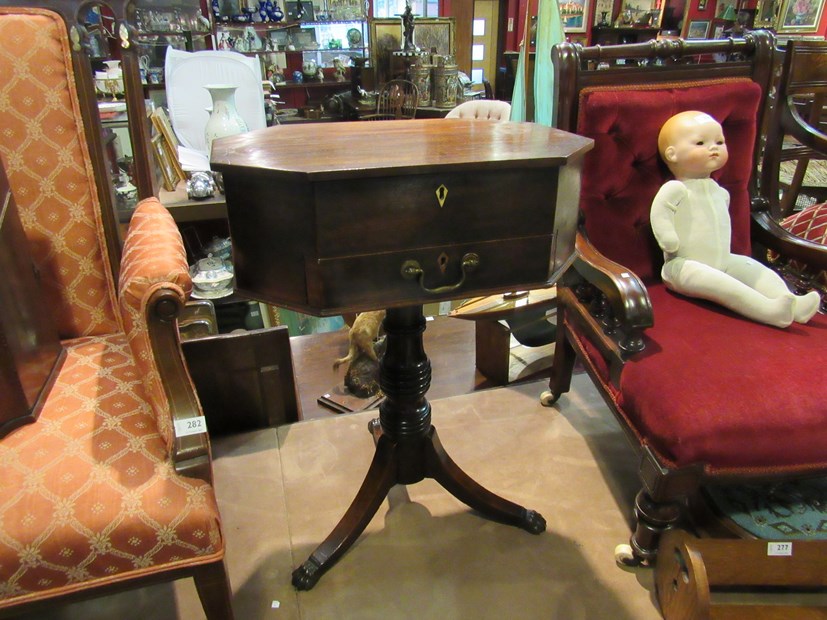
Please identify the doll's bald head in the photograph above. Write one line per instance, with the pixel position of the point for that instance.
(692, 144)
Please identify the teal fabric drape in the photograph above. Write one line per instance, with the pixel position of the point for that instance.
(549, 33)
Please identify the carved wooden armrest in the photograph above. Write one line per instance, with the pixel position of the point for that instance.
(190, 454)
(806, 132)
(614, 296)
(153, 290)
(773, 236)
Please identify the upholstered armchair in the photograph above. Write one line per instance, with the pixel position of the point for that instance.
(705, 396)
(106, 489)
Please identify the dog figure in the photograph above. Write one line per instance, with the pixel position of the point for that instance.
(364, 331)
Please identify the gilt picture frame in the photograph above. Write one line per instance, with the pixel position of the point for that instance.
(767, 13)
(169, 176)
(163, 127)
(800, 16)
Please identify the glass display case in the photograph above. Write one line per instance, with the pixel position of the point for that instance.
(306, 48)
(287, 48)
(161, 24)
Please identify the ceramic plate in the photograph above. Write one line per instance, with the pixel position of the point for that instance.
(354, 37)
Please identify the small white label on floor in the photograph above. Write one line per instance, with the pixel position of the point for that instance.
(779, 548)
(190, 426)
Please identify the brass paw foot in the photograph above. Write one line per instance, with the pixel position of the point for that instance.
(307, 575)
(533, 522)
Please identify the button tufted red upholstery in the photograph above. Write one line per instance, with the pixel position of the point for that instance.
(624, 171)
(691, 412)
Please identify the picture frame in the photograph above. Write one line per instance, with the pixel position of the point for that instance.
(800, 16)
(574, 15)
(169, 176)
(163, 128)
(291, 8)
(280, 38)
(646, 13)
(601, 7)
(768, 13)
(429, 33)
(304, 38)
(698, 29)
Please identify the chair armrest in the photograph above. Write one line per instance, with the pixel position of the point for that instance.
(607, 303)
(629, 307)
(153, 290)
(802, 130)
(773, 236)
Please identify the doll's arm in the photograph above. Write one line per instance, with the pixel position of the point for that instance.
(662, 215)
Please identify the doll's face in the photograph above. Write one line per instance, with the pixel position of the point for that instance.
(696, 146)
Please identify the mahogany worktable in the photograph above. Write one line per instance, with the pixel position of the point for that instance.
(342, 217)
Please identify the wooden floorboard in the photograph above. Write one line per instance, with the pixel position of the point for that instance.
(449, 344)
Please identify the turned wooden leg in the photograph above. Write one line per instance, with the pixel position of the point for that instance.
(653, 519)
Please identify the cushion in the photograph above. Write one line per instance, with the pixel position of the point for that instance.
(87, 492)
(809, 224)
(56, 195)
(714, 388)
(623, 172)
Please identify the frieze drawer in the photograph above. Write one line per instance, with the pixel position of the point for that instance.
(383, 214)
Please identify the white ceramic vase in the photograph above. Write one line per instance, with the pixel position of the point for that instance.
(224, 119)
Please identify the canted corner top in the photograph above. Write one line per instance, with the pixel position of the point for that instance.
(340, 150)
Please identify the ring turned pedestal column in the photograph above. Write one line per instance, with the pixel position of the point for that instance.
(408, 450)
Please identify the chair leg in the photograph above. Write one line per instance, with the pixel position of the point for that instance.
(213, 587)
(653, 520)
(562, 366)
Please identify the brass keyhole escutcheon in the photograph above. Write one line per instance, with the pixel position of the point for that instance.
(441, 194)
(442, 261)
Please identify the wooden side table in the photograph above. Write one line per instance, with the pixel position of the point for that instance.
(493, 338)
(346, 217)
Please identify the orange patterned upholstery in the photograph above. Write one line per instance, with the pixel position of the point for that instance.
(88, 493)
(45, 155)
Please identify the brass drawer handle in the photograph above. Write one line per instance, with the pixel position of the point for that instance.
(411, 270)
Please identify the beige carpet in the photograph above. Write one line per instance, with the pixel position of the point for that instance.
(282, 491)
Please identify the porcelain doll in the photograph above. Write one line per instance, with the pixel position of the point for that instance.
(690, 219)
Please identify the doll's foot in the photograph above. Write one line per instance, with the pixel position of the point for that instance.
(779, 311)
(806, 306)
